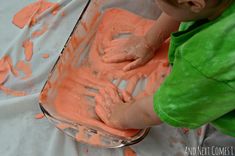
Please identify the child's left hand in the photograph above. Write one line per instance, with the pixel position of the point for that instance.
(111, 106)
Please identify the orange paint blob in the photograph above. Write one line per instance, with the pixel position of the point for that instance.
(25, 68)
(63, 14)
(28, 49)
(55, 8)
(12, 92)
(4, 70)
(129, 152)
(30, 13)
(39, 116)
(12, 69)
(39, 32)
(45, 56)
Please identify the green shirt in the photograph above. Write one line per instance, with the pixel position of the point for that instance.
(201, 86)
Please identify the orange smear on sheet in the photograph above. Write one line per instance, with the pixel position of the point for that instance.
(28, 49)
(9, 62)
(4, 70)
(12, 92)
(55, 9)
(39, 32)
(45, 56)
(129, 152)
(29, 14)
(39, 116)
(75, 92)
(25, 68)
(63, 14)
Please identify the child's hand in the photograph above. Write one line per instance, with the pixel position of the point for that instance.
(135, 49)
(111, 107)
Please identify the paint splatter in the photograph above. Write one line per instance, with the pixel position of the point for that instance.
(29, 14)
(55, 9)
(40, 32)
(12, 92)
(129, 152)
(25, 68)
(4, 70)
(45, 56)
(28, 49)
(39, 116)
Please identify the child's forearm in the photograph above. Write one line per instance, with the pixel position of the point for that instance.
(141, 114)
(161, 30)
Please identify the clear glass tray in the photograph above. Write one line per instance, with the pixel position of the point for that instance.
(77, 47)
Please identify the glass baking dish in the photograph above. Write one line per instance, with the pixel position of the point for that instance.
(76, 50)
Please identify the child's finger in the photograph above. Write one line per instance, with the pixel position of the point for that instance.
(101, 113)
(99, 99)
(135, 64)
(108, 99)
(121, 57)
(103, 105)
(113, 93)
(118, 42)
(111, 50)
(126, 96)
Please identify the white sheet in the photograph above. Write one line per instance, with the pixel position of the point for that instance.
(20, 133)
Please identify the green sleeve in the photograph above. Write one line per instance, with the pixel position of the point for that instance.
(189, 99)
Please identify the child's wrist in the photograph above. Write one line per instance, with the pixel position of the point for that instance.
(153, 42)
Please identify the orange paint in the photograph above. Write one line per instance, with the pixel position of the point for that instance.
(76, 90)
(11, 91)
(63, 14)
(29, 14)
(39, 32)
(129, 152)
(12, 69)
(39, 116)
(55, 9)
(28, 49)
(45, 56)
(4, 70)
(25, 68)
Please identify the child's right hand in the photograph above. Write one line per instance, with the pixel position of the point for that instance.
(135, 49)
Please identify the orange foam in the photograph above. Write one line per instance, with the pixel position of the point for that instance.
(29, 14)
